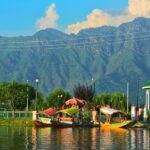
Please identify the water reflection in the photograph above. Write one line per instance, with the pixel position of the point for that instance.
(65, 138)
(17, 138)
(113, 138)
(139, 139)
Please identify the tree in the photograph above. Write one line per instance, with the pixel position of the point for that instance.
(116, 100)
(119, 100)
(84, 92)
(39, 104)
(57, 98)
(103, 99)
(13, 95)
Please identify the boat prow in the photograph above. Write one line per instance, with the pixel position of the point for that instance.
(124, 124)
(41, 123)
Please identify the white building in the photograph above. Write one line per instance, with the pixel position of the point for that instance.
(146, 87)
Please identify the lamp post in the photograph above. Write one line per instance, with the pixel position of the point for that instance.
(127, 97)
(137, 101)
(59, 96)
(27, 107)
(37, 82)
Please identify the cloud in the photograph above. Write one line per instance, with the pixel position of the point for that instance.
(139, 8)
(50, 18)
(95, 19)
(98, 17)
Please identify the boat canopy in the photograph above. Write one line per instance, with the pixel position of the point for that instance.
(75, 101)
(109, 111)
(50, 111)
(69, 111)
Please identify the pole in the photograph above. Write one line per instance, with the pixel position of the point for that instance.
(94, 96)
(137, 102)
(127, 97)
(27, 97)
(94, 92)
(37, 81)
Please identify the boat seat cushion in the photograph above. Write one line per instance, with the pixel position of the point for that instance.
(66, 119)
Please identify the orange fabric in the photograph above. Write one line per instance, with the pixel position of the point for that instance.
(75, 101)
(66, 119)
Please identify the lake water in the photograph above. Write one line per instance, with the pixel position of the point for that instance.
(30, 138)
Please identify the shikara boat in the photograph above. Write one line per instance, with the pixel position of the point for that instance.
(112, 118)
(73, 102)
(66, 118)
(44, 118)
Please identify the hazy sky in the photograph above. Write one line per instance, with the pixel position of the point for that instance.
(25, 17)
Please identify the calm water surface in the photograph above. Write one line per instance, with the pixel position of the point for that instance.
(17, 138)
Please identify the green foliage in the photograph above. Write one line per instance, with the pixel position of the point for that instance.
(116, 100)
(86, 116)
(57, 98)
(103, 99)
(13, 95)
(22, 122)
(39, 103)
(119, 101)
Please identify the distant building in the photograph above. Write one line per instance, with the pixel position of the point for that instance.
(146, 87)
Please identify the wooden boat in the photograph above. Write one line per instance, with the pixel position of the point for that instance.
(44, 119)
(112, 118)
(66, 118)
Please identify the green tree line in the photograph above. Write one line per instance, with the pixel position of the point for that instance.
(14, 96)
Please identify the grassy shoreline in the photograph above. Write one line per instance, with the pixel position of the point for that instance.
(28, 122)
(24, 122)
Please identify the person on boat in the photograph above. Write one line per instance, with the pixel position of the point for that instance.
(145, 115)
(98, 113)
(60, 116)
(94, 115)
(137, 114)
(140, 113)
(80, 117)
(133, 112)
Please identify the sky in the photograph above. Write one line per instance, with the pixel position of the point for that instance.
(25, 17)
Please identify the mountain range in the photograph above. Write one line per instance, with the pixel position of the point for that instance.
(105, 56)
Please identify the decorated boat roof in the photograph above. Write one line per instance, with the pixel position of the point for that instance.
(69, 111)
(50, 111)
(109, 111)
(75, 101)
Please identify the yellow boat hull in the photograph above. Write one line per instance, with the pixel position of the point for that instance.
(123, 124)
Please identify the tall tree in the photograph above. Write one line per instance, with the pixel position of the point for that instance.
(14, 95)
(116, 100)
(39, 103)
(119, 100)
(103, 99)
(84, 92)
(57, 98)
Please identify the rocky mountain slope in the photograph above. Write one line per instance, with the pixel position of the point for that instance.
(110, 56)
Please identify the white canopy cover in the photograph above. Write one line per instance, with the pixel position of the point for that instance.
(109, 111)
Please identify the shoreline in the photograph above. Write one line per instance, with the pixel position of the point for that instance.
(28, 122)
(24, 122)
